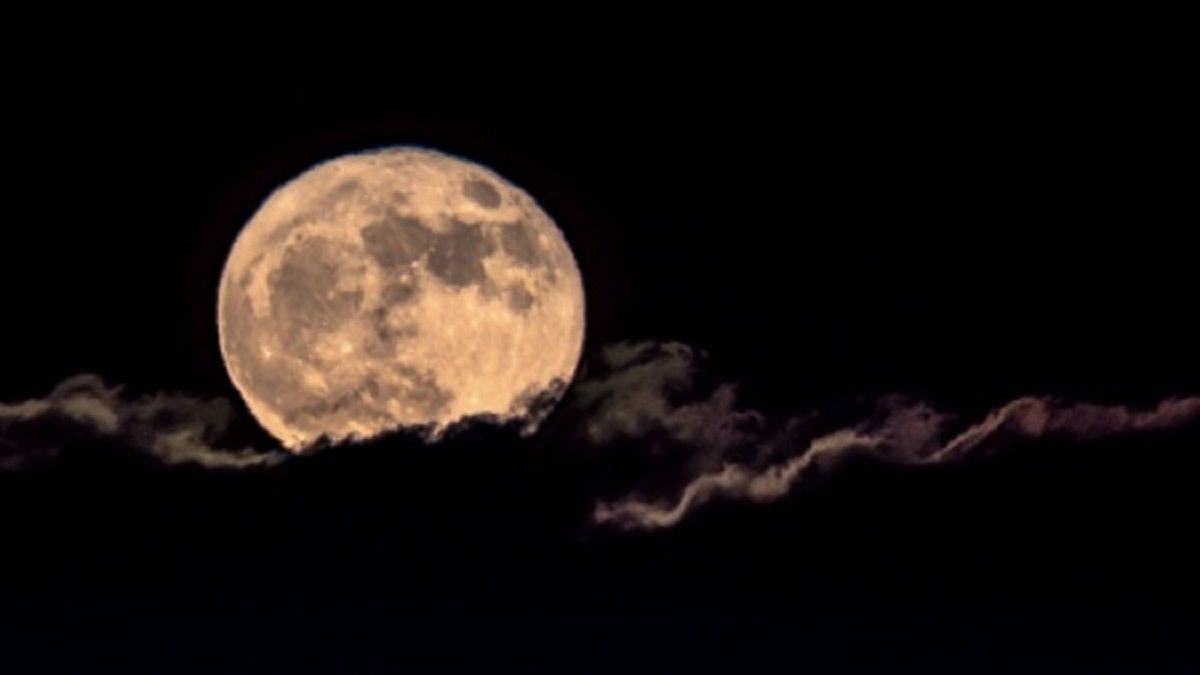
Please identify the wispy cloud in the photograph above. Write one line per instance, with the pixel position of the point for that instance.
(651, 393)
(173, 428)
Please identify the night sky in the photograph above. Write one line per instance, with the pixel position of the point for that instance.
(820, 239)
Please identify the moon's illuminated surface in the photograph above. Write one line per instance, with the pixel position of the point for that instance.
(398, 288)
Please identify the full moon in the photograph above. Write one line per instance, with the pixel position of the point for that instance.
(398, 288)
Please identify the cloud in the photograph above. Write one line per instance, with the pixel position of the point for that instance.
(632, 391)
(691, 440)
(653, 393)
(639, 390)
(172, 428)
(1035, 417)
(760, 485)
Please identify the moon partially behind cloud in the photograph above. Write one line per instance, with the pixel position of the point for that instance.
(398, 288)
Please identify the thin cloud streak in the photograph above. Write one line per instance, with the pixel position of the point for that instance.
(647, 391)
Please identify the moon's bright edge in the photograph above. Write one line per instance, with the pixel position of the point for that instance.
(398, 288)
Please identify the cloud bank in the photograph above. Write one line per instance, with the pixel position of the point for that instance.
(690, 439)
(172, 428)
(652, 393)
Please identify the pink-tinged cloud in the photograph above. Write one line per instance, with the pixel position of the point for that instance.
(741, 455)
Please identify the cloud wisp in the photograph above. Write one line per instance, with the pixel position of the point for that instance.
(172, 428)
(650, 393)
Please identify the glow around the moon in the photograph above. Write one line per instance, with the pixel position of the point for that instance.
(398, 288)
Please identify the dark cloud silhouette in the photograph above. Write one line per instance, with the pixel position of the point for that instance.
(172, 428)
(651, 392)
(636, 389)
(693, 440)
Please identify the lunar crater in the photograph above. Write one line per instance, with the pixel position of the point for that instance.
(482, 193)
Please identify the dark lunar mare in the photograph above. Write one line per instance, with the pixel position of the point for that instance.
(304, 289)
(457, 254)
(519, 240)
(519, 298)
(482, 193)
(277, 383)
(394, 241)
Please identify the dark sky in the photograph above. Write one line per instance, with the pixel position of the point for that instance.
(1014, 233)
(966, 235)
